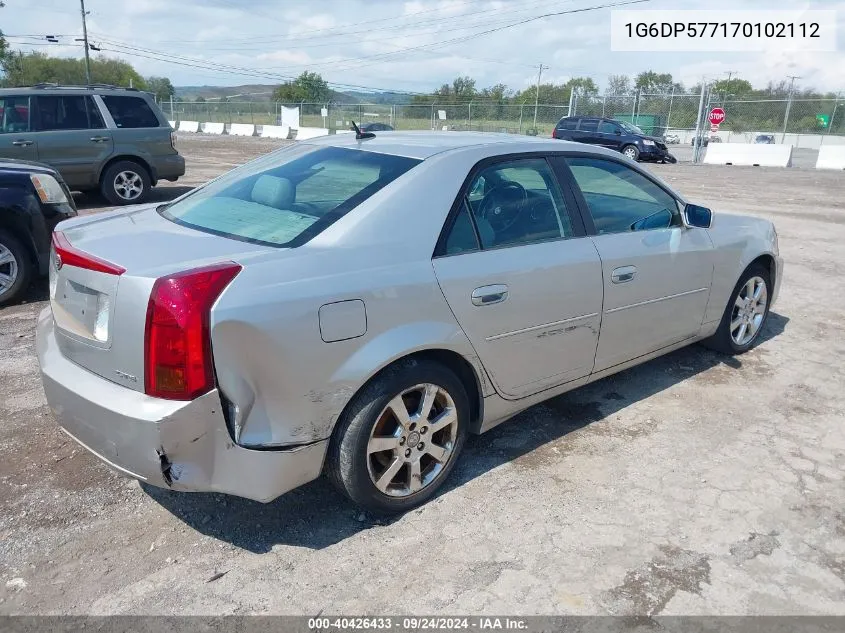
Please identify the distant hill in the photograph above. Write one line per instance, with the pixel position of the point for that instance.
(264, 92)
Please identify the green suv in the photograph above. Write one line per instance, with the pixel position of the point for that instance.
(97, 137)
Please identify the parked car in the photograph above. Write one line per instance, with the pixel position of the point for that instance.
(33, 199)
(365, 304)
(98, 137)
(376, 127)
(616, 135)
(671, 139)
(765, 139)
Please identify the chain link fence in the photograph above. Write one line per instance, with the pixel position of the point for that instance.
(657, 114)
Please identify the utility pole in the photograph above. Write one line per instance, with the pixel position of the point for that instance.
(537, 94)
(699, 132)
(729, 73)
(85, 43)
(788, 106)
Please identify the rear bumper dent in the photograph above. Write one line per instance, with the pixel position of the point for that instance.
(179, 445)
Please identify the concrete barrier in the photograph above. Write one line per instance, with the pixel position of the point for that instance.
(275, 131)
(189, 126)
(212, 128)
(305, 133)
(831, 157)
(172, 124)
(241, 129)
(750, 154)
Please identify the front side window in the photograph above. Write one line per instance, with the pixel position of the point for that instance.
(130, 112)
(621, 199)
(512, 203)
(14, 115)
(588, 125)
(71, 112)
(606, 127)
(288, 197)
(630, 128)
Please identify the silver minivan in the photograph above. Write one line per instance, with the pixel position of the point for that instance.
(115, 140)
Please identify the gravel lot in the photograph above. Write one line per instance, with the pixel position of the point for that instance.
(693, 484)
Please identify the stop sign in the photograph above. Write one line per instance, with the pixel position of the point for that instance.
(717, 116)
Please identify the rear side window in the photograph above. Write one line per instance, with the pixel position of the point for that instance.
(130, 112)
(606, 127)
(71, 112)
(288, 197)
(14, 115)
(588, 125)
(567, 124)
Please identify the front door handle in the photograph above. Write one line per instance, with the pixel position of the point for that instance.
(623, 274)
(488, 295)
(22, 143)
(99, 139)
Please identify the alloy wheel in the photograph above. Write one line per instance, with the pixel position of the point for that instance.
(412, 441)
(749, 310)
(8, 269)
(128, 185)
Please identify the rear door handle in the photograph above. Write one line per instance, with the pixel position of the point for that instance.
(22, 142)
(488, 295)
(623, 274)
(99, 139)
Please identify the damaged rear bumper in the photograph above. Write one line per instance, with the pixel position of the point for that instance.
(179, 445)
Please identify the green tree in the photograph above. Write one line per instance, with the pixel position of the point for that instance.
(309, 87)
(618, 85)
(734, 86)
(650, 82)
(161, 88)
(26, 69)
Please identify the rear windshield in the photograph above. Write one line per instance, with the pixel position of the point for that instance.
(288, 197)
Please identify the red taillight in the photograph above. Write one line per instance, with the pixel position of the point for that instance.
(71, 256)
(177, 340)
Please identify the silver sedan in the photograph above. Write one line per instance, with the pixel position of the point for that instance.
(357, 306)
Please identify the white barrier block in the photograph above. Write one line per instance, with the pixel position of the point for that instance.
(189, 126)
(241, 129)
(344, 132)
(172, 124)
(275, 131)
(212, 128)
(749, 154)
(305, 133)
(831, 157)
(290, 117)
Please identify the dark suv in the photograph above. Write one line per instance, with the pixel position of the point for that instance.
(114, 140)
(618, 135)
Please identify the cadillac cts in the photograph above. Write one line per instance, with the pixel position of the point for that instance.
(358, 305)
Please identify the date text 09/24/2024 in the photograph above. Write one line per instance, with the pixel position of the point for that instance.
(417, 623)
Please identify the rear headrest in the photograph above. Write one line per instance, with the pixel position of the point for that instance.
(273, 191)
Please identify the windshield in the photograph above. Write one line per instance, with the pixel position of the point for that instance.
(633, 129)
(288, 197)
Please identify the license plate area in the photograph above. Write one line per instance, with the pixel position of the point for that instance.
(83, 304)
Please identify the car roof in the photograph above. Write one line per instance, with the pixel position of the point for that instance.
(69, 90)
(423, 144)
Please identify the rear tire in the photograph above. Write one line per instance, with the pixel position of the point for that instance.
(400, 437)
(631, 152)
(744, 317)
(15, 268)
(125, 182)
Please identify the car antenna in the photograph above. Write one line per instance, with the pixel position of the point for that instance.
(359, 135)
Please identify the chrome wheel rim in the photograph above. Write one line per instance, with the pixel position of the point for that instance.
(412, 440)
(630, 153)
(8, 269)
(749, 310)
(128, 185)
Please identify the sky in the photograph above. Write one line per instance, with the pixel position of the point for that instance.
(366, 44)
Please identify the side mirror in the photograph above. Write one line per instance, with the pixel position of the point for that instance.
(698, 217)
(618, 132)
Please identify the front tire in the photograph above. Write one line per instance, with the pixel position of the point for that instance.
(400, 437)
(746, 313)
(125, 182)
(15, 268)
(631, 152)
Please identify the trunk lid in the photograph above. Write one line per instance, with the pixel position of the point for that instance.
(101, 316)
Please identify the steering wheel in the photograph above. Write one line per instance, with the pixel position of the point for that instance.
(502, 205)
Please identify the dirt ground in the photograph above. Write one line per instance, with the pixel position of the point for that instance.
(693, 484)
